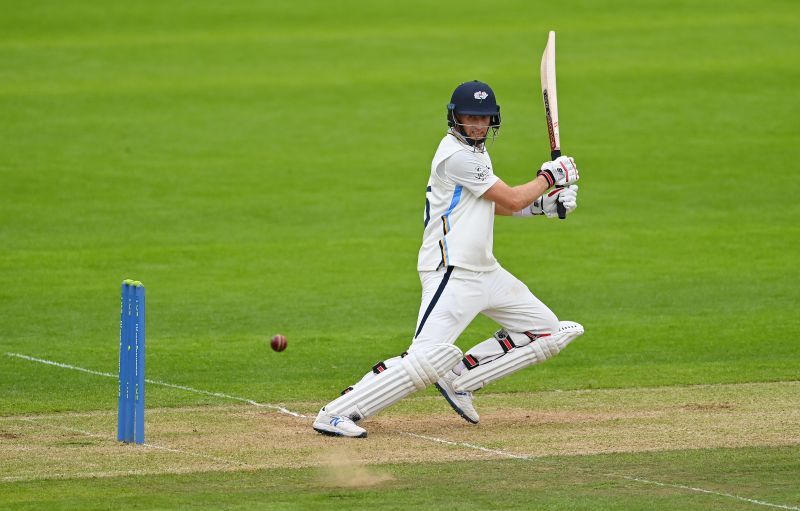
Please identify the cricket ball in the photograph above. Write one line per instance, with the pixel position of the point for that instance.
(278, 342)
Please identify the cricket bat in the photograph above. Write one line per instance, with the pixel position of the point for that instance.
(548, 75)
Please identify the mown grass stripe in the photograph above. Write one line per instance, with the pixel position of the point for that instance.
(701, 490)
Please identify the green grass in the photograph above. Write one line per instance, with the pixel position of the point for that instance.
(588, 482)
(261, 168)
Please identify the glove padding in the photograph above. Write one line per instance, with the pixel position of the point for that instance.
(567, 196)
(560, 172)
(547, 204)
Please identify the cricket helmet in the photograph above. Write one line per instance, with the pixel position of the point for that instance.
(473, 98)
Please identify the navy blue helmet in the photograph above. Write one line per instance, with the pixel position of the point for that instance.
(473, 98)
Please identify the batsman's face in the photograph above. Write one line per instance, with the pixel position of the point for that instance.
(475, 126)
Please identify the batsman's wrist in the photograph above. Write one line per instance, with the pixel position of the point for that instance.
(534, 209)
(548, 176)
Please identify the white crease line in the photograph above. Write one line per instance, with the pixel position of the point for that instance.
(432, 439)
(471, 446)
(163, 384)
(77, 415)
(701, 490)
(113, 413)
(152, 446)
(91, 475)
(50, 476)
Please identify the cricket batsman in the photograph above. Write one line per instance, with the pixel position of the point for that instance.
(461, 278)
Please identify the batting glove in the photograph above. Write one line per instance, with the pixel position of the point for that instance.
(567, 196)
(560, 172)
(547, 203)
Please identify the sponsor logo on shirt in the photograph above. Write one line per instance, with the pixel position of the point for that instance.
(482, 172)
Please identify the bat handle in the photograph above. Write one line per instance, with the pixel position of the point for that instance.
(560, 209)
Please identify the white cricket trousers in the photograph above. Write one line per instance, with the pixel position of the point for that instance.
(452, 297)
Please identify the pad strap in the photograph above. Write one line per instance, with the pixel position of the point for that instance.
(505, 341)
(470, 362)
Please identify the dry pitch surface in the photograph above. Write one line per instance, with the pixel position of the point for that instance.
(523, 425)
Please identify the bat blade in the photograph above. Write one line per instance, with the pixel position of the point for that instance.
(550, 97)
(550, 94)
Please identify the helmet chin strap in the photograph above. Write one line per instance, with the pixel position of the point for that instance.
(477, 144)
(461, 134)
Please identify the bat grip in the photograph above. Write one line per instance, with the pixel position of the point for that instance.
(560, 209)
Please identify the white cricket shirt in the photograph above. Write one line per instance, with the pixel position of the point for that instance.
(459, 224)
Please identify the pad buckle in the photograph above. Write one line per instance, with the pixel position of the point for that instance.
(504, 340)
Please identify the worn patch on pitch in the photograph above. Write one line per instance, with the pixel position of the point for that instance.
(338, 467)
(423, 429)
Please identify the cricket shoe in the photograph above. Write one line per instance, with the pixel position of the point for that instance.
(460, 401)
(337, 425)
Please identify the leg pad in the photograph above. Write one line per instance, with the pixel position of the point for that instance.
(415, 371)
(527, 351)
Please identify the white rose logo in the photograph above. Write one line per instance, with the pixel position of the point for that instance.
(481, 95)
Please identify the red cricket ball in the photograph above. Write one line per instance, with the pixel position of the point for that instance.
(278, 342)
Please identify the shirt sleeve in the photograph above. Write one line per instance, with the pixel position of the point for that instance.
(470, 172)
